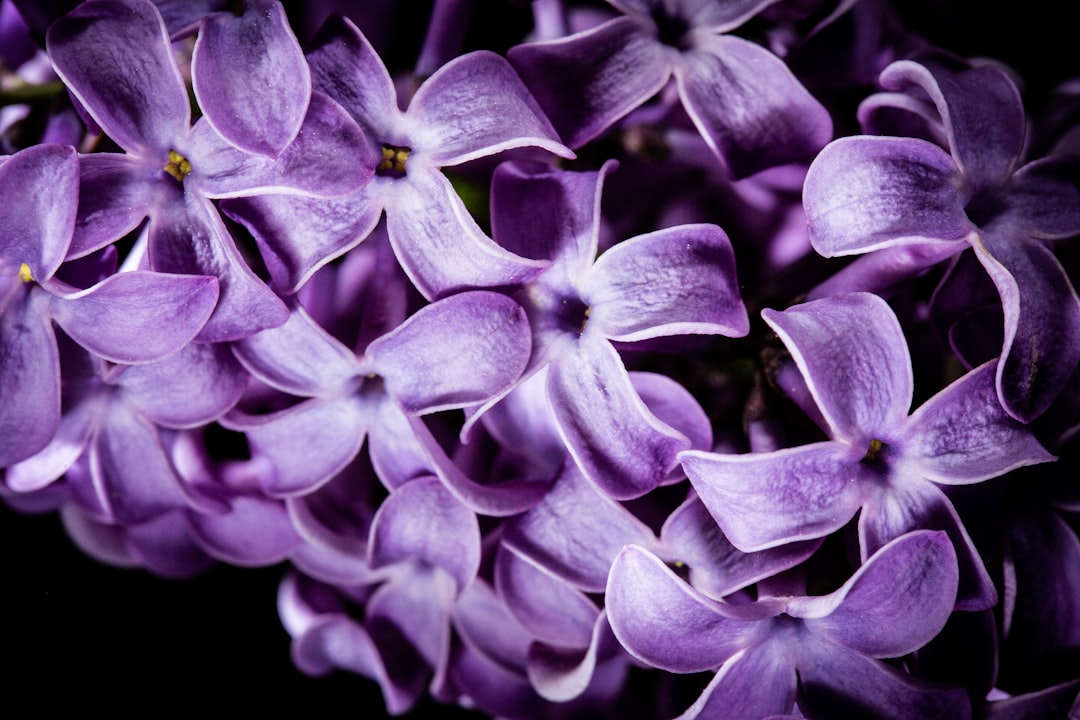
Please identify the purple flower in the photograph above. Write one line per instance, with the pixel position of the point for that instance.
(743, 100)
(851, 353)
(910, 204)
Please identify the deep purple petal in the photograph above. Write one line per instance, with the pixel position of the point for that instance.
(664, 622)
(1042, 321)
(586, 82)
(165, 547)
(115, 196)
(116, 58)
(1044, 197)
(763, 500)
(619, 445)
(673, 404)
(474, 106)
(853, 354)
(422, 522)
(439, 244)
(37, 216)
(896, 602)
(461, 350)
(550, 609)
(250, 77)
(29, 377)
(138, 316)
(671, 282)
(869, 193)
(748, 105)
(963, 435)
(757, 683)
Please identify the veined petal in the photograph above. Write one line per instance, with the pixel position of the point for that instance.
(618, 444)
(759, 682)
(115, 196)
(297, 235)
(421, 521)
(981, 110)
(330, 156)
(963, 435)
(1042, 321)
(664, 622)
(439, 244)
(676, 281)
(551, 610)
(588, 81)
(562, 674)
(29, 379)
(116, 59)
(255, 532)
(895, 603)
(40, 190)
(748, 105)
(298, 357)
(763, 500)
(853, 354)
(476, 105)
(869, 193)
(458, 351)
(250, 77)
(137, 317)
(307, 444)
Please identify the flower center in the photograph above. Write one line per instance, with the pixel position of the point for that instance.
(984, 206)
(573, 315)
(393, 161)
(670, 28)
(873, 451)
(178, 166)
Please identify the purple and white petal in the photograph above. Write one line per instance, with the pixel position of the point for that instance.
(675, 281)
(748, 105)
(256, 531)
(250, 77)
(853, 354)
(758, 682)
(114, 198)
(29, 377)
(762, 500)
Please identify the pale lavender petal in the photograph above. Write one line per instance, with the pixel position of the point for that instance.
(664, 622)
(40, 190)
(190, 238)
(116, 59)
(576, 532)
(422, 522)
(413, 608)
(763, 500)
(963, 435)
(870, 193)
(298, 357)
(330, 156)
(748, 105)
(250, 77)
(298, 235)
(619, 445)
(306, 444)
(675, 281)
(486, 626)
(1042, 321)
(588, 81)
(255, 532)
(191, 387)
(397, 455)
(981, 110)
(29, 376)
(66, 447)
(105, 543)
(673, 404)
(164, 546)
(853, 354)
(474, 106)
(115, 196)
(756, 683)
(139, 316)
(458, 351)
(562, 674)
(440, 245)
(895, 603)
(551, 610)
(908, 505)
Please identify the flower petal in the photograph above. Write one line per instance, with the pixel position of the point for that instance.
(115, 196)
(116, 59)
(756, 683)
(853, 354)
(675, 281)
(250, 77)
(748, 105)
(29, 378)
(255, 532)
(763, 500)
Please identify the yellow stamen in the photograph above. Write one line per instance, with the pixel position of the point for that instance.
(874, 450)
(393, 159)
(24, 273)
(178, 166)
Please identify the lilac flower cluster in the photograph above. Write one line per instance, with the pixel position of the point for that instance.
(532, 364)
